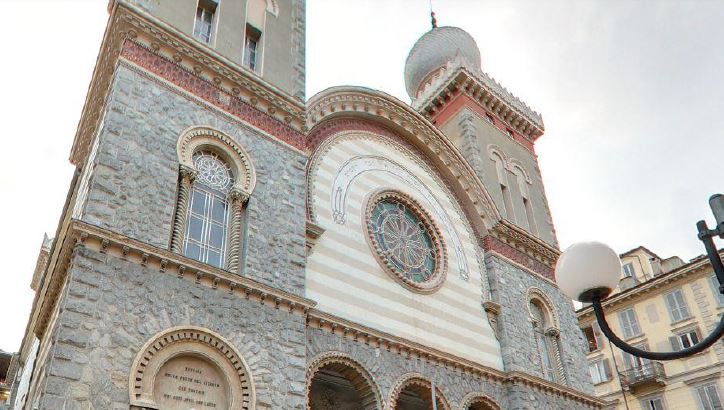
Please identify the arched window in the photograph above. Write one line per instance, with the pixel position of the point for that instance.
(547, 335)
(216, 179)
(502, 173)
(523, 182)
(207, 214)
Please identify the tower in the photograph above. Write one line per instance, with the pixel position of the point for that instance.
(227, 245)
(496, 133)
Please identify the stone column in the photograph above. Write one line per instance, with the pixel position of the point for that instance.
(186, 176)
(553, 336)
(237, 199)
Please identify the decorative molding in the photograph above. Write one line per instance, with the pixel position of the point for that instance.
(415, 380)
(190, 340)
(354, 372)
(355, 103)
(313, 232)
(487, 93)
(493, 245)
(699, 266)
(188, 80)
(472, 399)
(216, 77)
(492, 310)
(537, 294)
(207, 138)
(90, 236)
(437, 277)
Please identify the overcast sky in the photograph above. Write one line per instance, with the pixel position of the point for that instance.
(631, 95)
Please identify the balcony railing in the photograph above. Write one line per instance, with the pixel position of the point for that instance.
(650, 372)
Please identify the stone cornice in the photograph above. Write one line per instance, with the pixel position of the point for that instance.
(165, 262)
(374, 338)
(358, 102)
(488, 93)
(643, 290)
(130, 22)
(526, 242)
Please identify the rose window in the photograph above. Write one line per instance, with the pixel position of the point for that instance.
(212, 171)
(406, 241)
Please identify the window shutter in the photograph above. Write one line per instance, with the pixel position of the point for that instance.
(674, 340)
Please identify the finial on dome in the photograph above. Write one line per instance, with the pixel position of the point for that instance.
(434, 20)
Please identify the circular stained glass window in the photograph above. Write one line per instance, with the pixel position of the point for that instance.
(406, 241)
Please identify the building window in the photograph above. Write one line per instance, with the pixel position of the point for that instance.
(590, 334)
(684, 340)
(676, 305)
(509, 132)
(641, 366)
(709, 397)
(629, 324)
(714, 282)
(489, 118)
(600, 371)
(653, 403)
(205, 238)
(628, 271)
(251, 47)
(203, 26)
(546, 341)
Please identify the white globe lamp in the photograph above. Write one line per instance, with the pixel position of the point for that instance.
(588, 269)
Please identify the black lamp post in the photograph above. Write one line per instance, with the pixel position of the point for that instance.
(589, 271)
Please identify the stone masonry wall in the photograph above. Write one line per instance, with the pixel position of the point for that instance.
(113, 306)
(509, 285)
(386, 368)
(133, 189)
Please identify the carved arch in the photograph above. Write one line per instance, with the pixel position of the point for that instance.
(534, 294)
(478, 399)
(416, 381)
(353, 371)
(496, 150)
(191, 341)
(515, 164)
(344, 108)
(204, 137)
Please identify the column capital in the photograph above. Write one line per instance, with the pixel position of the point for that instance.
(237, 195)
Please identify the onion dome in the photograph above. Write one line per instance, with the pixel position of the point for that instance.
(434, 50)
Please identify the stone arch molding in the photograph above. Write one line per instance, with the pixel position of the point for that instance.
(509, 164)
(358, 165)
(472, 399)
(204, 137)
(537, 294)
(356, 373)
(197, 343)
(413, 380)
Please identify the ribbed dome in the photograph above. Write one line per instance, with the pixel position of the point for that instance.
(434, 49)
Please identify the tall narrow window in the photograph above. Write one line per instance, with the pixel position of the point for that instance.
(251, 47)
(638, 364)
(522, 181)
(544, 343)
(628, 270)
(591, 338)
(203, 26)
(208, 210)
(600, 371)
(676, 305)
(684, 340)
(709, 397)
(629, 323)
(718, 297)
(653, 403)
(505, 192)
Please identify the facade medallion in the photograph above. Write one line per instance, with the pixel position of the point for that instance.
(405, 240)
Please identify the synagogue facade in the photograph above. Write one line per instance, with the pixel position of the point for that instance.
(228, 243)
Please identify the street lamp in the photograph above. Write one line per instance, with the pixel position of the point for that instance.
(589, 271)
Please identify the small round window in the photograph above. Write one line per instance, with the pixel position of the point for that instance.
(405, 240)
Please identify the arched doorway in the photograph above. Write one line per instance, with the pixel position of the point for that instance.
(337, 382)
(477, 401)
(414, 392)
